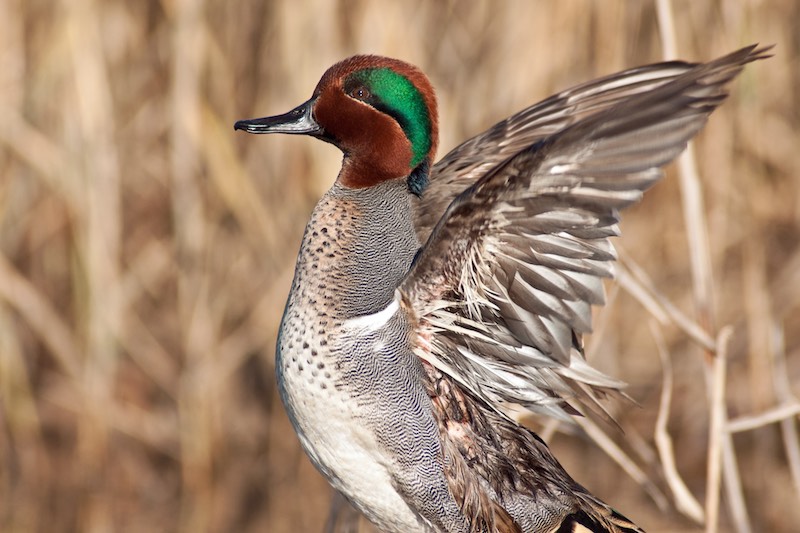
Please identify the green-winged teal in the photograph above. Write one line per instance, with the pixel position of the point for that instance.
(428, 297)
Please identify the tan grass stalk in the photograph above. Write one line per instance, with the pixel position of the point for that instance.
(150, 268)
(155, 429)
(702, 281)
(42, 318)
(191, 241)
(99, 236)
(619, 456)
(685, 501)
(47, 158)
(716, 432)
(770, 416)
(783, 390)
(635, 281)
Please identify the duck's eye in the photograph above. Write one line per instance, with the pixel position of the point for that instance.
(359, 93)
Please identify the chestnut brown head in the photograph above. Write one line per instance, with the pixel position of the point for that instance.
(380, 112)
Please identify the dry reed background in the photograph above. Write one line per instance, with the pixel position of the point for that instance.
(147, 250)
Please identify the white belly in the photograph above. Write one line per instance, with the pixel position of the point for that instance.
(341, 447)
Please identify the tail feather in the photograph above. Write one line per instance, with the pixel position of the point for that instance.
(583, 522)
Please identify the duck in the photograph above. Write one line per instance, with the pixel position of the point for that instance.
(431, 299)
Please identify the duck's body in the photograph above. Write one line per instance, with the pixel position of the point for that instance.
(352, 391)
(426, 298)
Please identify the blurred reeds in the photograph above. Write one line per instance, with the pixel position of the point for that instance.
(147, 250)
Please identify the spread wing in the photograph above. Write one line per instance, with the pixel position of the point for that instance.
(471, 160)
(503, 288)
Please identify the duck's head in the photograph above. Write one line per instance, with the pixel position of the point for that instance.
(380, 112)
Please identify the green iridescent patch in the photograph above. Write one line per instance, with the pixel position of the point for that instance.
(395, 95)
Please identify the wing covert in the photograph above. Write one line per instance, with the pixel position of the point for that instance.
(466, 163)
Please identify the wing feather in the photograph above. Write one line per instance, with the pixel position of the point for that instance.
(503, 288)
(471, 160)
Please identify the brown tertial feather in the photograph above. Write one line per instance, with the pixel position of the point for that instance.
(462, 453)
(490, 460)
